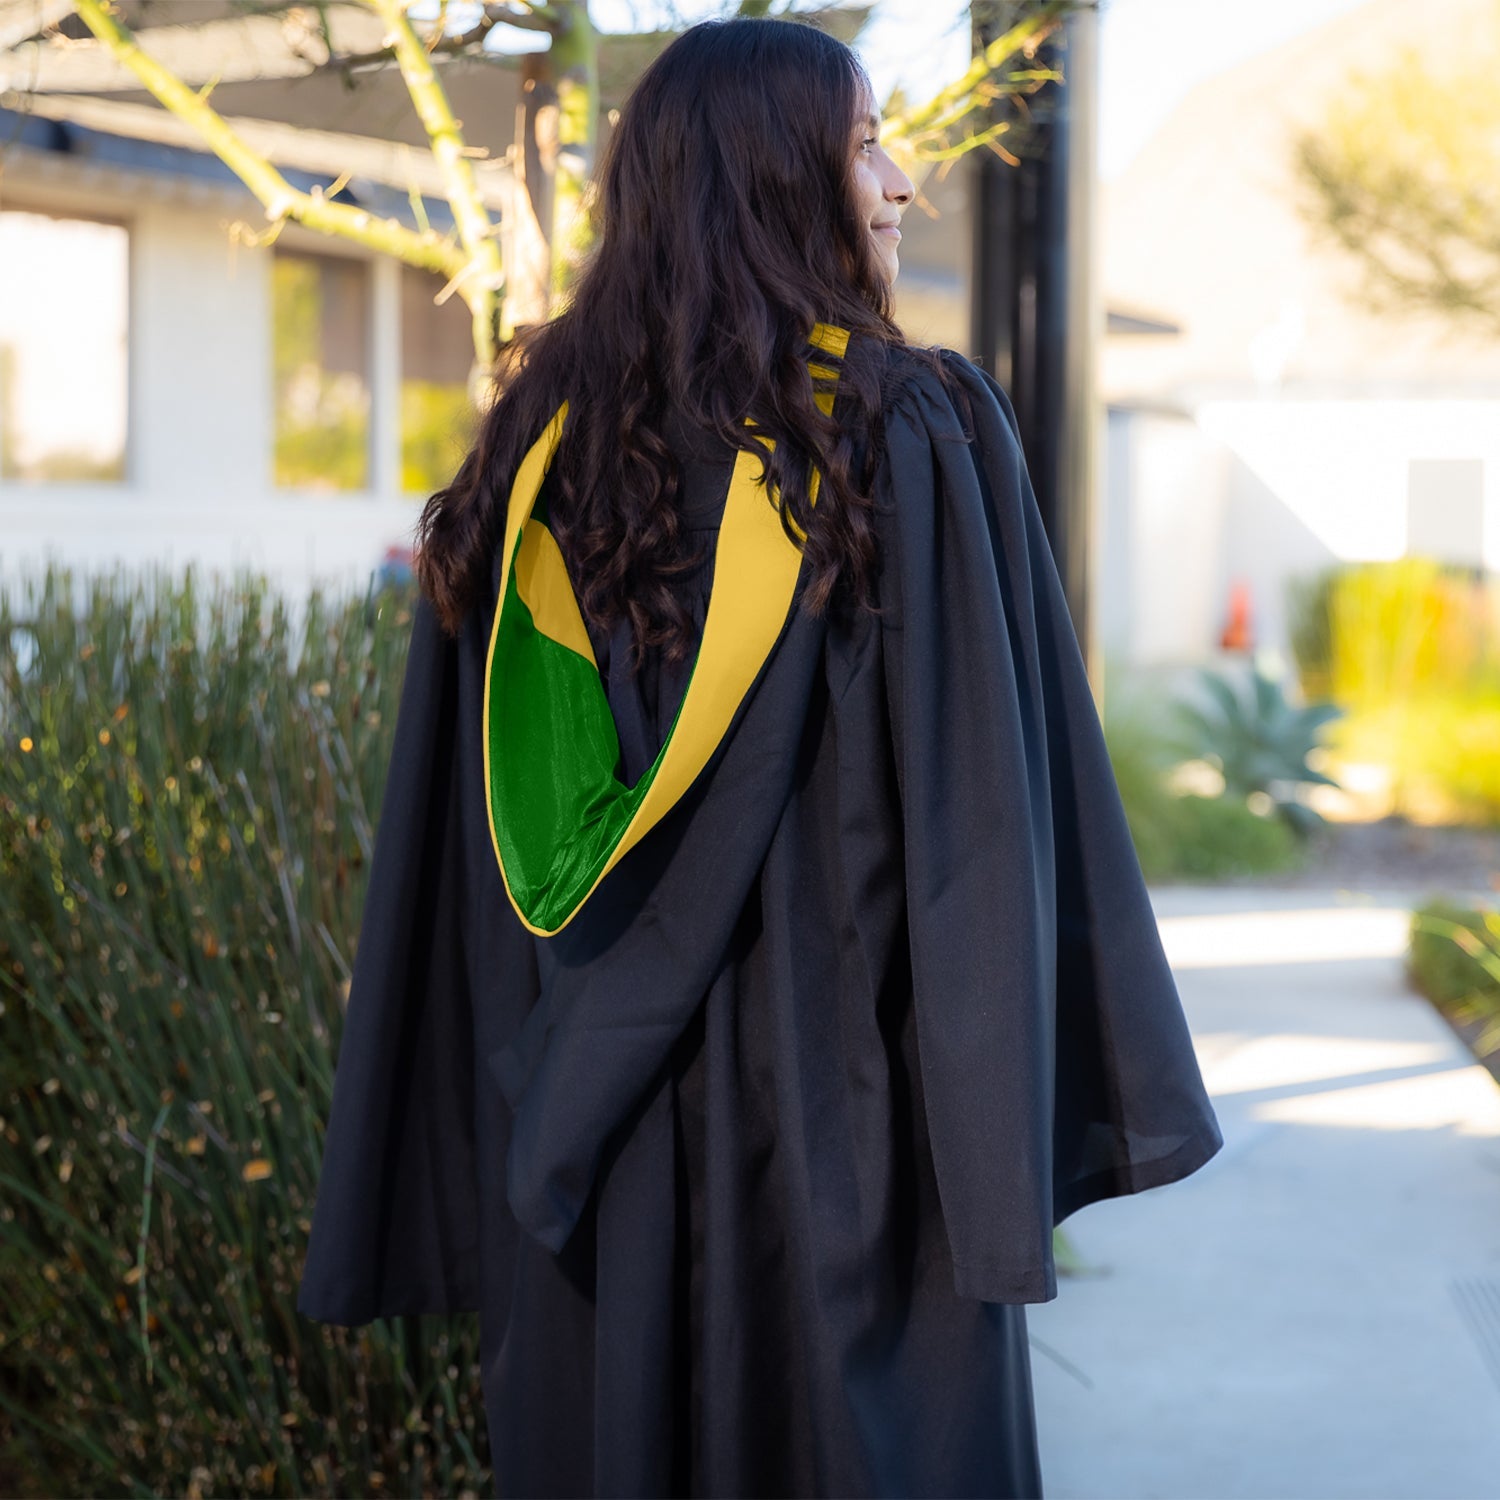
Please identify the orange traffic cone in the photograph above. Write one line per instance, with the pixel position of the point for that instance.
(1238, 634)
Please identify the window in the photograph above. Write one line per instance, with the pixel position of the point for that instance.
(64, 298)
(321, 363)
(438, 425)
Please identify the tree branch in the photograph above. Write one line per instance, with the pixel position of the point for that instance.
(978, 84)
(280, 199)
(575, 62)
(524, 18)
(486, 276)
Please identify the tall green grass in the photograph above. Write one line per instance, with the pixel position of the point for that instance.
(189, 783)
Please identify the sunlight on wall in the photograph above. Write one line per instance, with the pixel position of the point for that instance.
(1342, 468)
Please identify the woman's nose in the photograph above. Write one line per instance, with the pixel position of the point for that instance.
(900, 188)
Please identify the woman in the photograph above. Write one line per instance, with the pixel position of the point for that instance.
(756, 966)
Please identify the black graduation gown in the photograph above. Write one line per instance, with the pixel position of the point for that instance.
(751, 1169)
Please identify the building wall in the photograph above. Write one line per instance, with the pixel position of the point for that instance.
(1113, 563)
(1269, 490)
(200, 431)
(199, 485)
(200, 428)
(1167, 495)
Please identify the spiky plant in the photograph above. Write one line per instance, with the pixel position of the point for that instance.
(1259, 741)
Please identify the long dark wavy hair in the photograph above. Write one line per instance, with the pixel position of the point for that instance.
(724, 228)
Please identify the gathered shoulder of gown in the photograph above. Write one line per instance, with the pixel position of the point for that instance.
(750, 1170)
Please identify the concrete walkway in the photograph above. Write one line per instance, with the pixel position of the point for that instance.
(1317, 1311)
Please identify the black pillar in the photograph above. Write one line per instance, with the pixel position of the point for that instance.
(1035, 315)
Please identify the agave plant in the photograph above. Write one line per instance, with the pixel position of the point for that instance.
(1259, 741)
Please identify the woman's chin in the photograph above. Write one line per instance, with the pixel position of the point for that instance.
(884, 263)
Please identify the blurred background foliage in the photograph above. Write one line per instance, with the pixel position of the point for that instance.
(437, 429)
(1181, 833)
(322, 400)
(1401, 174)
(1259, 743)
(1411, 650)
(1396, 672)
(188, 794)
(1453, 957)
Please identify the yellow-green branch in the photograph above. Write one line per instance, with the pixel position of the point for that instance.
(486, 277)
(575, 61)
(280, 199)
(968, 91)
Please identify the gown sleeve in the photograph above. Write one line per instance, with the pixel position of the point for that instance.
(1056, 1059)
(396, 1225)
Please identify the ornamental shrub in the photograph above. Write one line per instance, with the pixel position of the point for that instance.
(189, 784)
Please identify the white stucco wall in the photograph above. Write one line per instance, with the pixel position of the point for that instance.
(1267, 489)
(200, 429)
(1161, 567)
